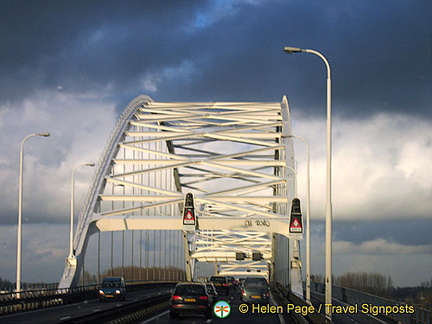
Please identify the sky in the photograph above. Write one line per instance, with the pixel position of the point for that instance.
(70, 67)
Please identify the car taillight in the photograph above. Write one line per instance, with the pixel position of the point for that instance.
(243, 292)
(176, 298)
(203, 297)
(267, 294)
(101, 292)
(225, 285)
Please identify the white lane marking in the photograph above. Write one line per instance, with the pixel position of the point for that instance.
(281, 318)
(155, 317)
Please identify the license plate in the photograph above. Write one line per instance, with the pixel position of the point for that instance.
(256, 297)
(109, 295)
(190, 300)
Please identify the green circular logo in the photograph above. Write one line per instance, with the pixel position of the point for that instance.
(222, 309)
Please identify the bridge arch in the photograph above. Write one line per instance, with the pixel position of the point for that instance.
(235, 157)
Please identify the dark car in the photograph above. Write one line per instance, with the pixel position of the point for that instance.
(232, 283)
(255, 290)
(211, 289)
(220, 283)
(190, 298)
(112, 288)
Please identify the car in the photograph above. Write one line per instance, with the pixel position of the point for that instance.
(190, 298)
(112, 288)
(221, 284)
(255, 290)
(232, 283)
(211, 289)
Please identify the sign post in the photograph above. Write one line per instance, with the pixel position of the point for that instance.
(296, 222)
(189, 219)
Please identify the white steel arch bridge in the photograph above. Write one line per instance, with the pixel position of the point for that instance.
(237, 160)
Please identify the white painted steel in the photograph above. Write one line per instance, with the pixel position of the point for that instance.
(231, 156)
(72, 193)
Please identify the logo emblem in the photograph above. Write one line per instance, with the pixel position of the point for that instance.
(222, 309)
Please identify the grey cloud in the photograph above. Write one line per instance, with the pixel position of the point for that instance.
(380, 53)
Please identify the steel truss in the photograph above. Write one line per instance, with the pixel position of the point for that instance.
(235, 157)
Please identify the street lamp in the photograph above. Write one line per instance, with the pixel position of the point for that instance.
(328, 222)
(71, 257)
(20, 205)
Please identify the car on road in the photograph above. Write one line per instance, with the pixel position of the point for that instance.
(232, 282)
(221, 284)
(112, 288)
(255, 290)
(190, 298)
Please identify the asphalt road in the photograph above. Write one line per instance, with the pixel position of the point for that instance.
(61, 313)
(235, 316)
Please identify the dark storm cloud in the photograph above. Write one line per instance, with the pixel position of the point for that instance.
(87, 44)
(402, 231)
(379, 52)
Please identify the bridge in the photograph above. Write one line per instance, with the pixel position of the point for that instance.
(235, 162)
(211, 183)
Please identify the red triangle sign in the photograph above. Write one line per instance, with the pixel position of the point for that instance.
(296, 225)
(189, 218)
(189, 215)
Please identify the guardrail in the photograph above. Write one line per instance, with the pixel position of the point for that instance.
(286, 297)
(382, 307)
(43, 298)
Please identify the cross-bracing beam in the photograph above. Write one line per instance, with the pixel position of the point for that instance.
(235, 157)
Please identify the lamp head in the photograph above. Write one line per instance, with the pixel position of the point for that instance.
(290, 50)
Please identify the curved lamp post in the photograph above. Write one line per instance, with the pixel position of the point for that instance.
(20, 205)
(328, 222)
(71, 252)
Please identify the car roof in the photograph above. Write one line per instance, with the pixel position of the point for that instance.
(191, 283)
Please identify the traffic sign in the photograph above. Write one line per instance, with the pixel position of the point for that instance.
(296, 224)
(189, 219)
(189, 216)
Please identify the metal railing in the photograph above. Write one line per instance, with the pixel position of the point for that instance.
(44, 298)
(378, 306)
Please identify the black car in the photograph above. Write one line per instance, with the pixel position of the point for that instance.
(220, 283)
(112, 288)
(190, 298)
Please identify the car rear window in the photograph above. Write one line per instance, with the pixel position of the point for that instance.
(255, 283)
(218, 279)
(190, 290)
